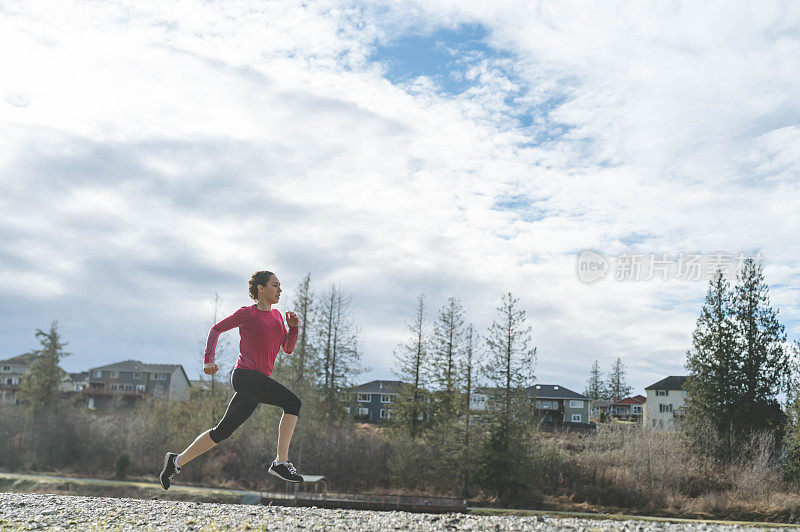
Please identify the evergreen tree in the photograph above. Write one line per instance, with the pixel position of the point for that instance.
(594, 386)
(715, 381)
(737, 366)
(791, 454)
(617, 386)
(510, 365)
(338, 341)
(468, 367)
(765, 362)
(410, 360)
(445, 351)
(301, 365)
(502, 467)
(39, 387)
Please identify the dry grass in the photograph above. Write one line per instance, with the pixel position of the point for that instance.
(639, 470)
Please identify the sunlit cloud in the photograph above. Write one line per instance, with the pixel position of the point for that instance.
(153, 155)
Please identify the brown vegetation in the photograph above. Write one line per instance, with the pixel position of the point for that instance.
(615, 469)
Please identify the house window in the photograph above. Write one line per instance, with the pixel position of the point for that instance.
(665, 407)
(547, 405)
(113, 386)
(115, 374)
(576, 404)
(363, 411)
(9, 381)
(98, 374)
(576, 418)
(661, 393)
(140, 387)
(364, 398)
(387, 398)
(137, 376)
(384, 413)
(637, 409)
(160, 376)
(6, 368)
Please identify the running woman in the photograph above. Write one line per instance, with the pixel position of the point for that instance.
(263, 334)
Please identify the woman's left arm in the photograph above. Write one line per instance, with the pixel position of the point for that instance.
(290, 338)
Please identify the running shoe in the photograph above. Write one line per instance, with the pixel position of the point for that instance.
(169, 469)
(284, 471)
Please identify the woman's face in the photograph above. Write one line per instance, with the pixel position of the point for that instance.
(271, 292)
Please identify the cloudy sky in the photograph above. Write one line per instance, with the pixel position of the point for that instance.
(153, 154)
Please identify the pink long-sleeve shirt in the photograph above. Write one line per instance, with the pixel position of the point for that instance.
(262, 335)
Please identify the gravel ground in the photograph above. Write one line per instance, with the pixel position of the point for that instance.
(25, 511)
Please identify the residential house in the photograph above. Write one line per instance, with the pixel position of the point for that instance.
(373, 401)
(602, 406)
(665, 406)
(203, 385)
(125, 382)
(629, 408)
(557, 405)
(554, 404)
(480, 397)
(11, 372)
(14, 369)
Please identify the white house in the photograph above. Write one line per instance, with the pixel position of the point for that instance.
(14, 369)
(665, 406)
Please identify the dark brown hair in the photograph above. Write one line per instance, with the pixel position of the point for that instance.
(258, 278)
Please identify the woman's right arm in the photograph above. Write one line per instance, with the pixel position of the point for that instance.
(234, 320)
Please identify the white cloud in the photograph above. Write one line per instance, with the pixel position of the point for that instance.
(158, 153)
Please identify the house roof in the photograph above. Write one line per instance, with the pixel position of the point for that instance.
(80, 376)
(380, 387)
(201, 384)
(669, 383)
(135, 365)
(554, 391)
(635, 400)
(19, 359)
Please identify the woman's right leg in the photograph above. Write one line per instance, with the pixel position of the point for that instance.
(200, 445)
(239, 409)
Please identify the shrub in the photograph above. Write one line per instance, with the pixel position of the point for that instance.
(121, 465)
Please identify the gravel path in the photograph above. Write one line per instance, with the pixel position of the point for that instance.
(24, 511)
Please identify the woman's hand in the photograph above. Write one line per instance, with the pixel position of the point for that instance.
(291, 319)
(210, 369)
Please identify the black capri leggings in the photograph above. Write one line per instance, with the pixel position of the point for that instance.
(251, 388)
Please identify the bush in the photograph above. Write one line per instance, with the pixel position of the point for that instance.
(121, 466)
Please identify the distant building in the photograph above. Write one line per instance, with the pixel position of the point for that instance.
(554, 404)
(557, 405)
(125, 382)
(373, 401)
(14, 369)
(201, 385)
(11, 372)
(480, 398)
(630, 408)
(666, 404)
(601, 406)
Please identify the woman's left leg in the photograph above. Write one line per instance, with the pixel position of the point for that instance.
(285, 432)
(271, 392)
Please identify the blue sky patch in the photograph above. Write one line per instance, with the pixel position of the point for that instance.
(522, 205)
(444, 56)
